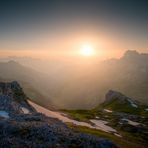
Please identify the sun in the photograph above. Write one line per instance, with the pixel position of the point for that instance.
(87, 50)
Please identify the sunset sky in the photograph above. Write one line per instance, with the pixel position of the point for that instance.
(54, 28)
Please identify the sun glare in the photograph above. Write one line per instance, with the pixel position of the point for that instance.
(87, 50)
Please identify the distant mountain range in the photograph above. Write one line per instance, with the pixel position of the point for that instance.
(74, 85)
(33, 82)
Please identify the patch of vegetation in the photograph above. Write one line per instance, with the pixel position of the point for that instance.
(81, 115)
(127, 141)
(115, 105)
(122, 106)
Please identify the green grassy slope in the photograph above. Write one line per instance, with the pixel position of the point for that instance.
(127, 141)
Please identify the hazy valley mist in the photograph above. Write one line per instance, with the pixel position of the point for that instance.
(78, 84)
(73, 74)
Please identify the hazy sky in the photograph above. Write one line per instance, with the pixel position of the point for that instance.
(59, 27)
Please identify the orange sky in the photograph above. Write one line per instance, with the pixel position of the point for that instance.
(67, 43)
(58, 30)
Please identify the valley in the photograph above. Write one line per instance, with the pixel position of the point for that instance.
(78, 85)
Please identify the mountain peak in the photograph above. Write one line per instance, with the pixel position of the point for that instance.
(115, 95)
(13, 62)
(118, 102)
(111, 94)
(131, 53)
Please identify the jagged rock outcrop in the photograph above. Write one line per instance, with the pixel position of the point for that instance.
(112, 95)
(13, 100)
(13, 90)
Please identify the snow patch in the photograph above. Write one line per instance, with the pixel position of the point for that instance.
(97, 117)
(118, 135)
(130, 122)
(99, 124)
(132, 103)
(25, 110)
(107, 110)
(102, 125)
(4, 114)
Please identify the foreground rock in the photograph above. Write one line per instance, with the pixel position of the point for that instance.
(37, 130)
(13, 100)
